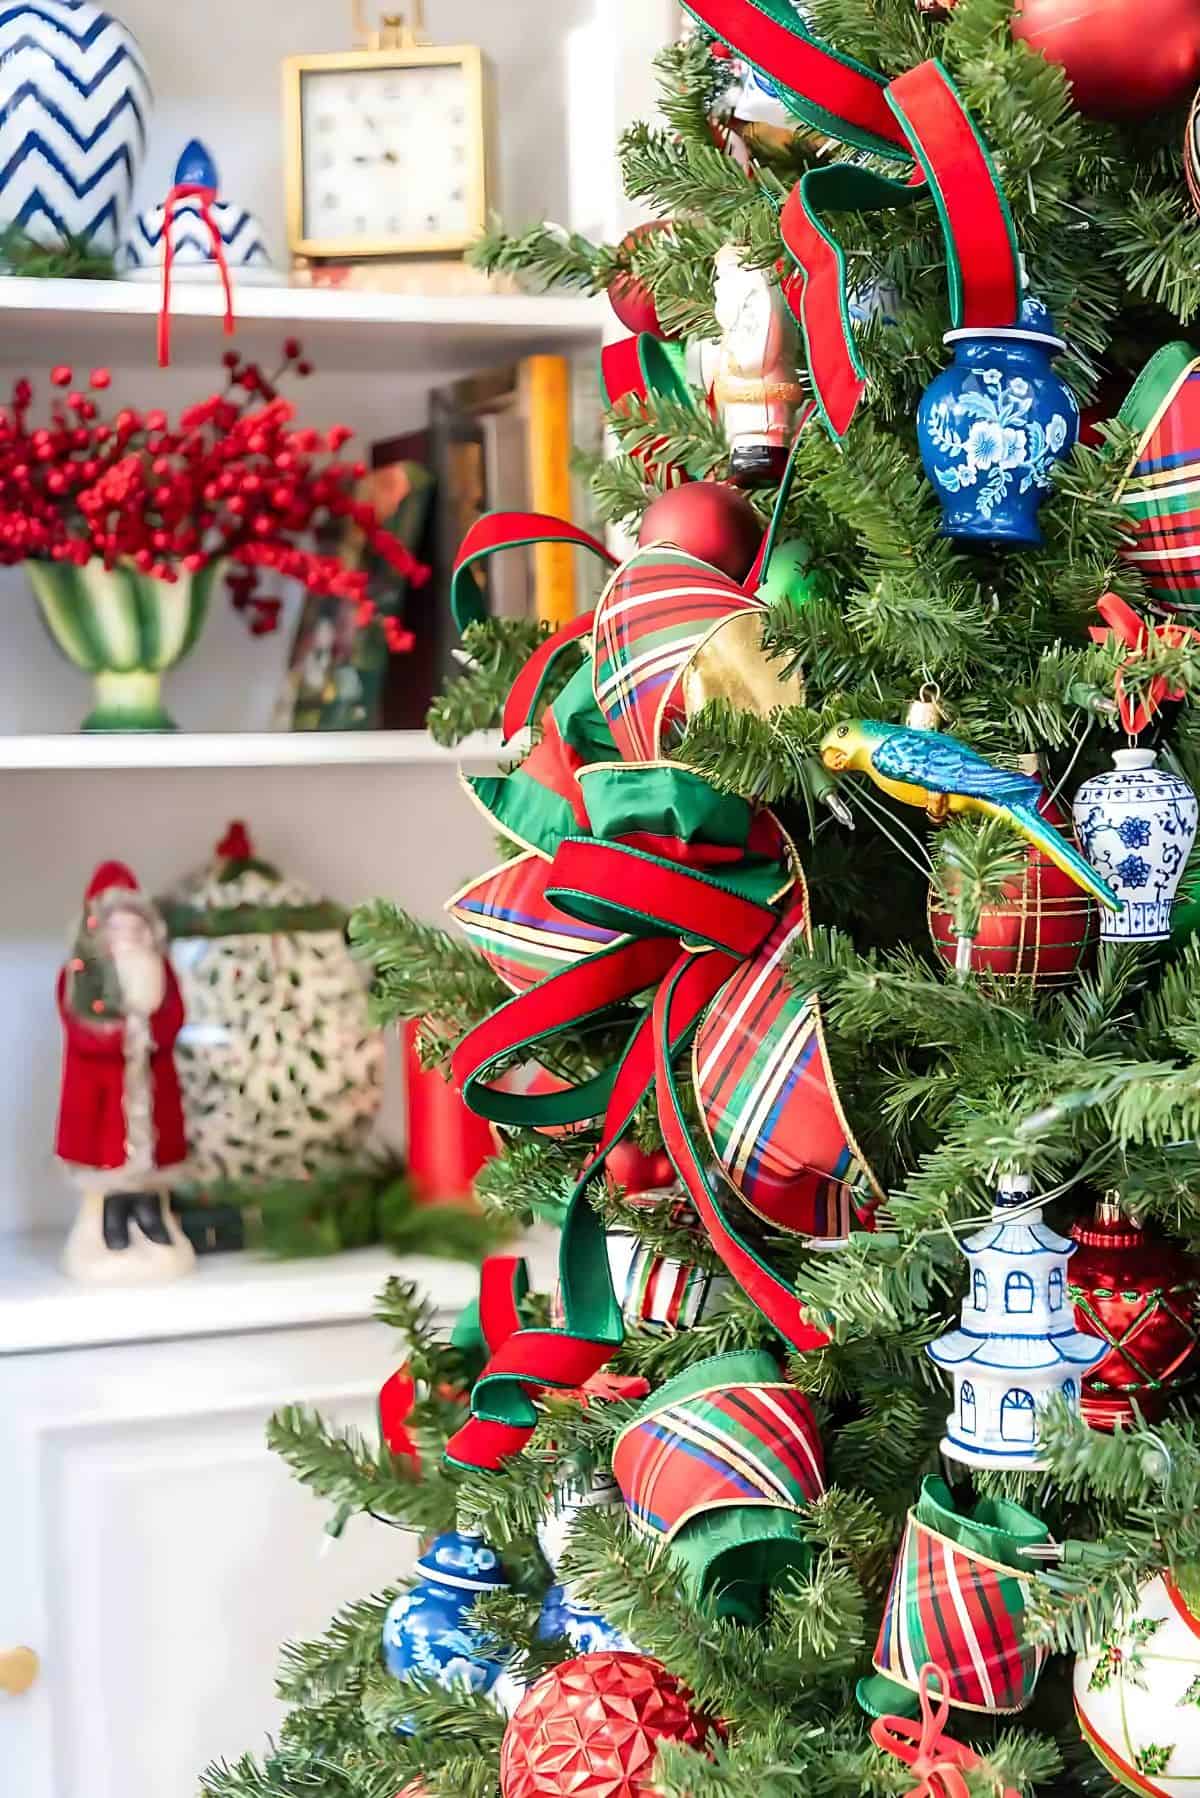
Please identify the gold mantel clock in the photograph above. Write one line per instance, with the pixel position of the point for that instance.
(387, 147)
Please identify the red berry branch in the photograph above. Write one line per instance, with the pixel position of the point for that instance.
(234, 480)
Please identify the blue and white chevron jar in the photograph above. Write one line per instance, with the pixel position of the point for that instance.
(1136, 824)
(75, 102)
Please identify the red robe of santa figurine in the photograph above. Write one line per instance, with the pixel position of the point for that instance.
(120, 1122)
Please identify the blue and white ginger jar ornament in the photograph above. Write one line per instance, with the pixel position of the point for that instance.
(1018, 1346)
(427, 1632)
(564, 1613)
(243, 240)
(1136, 824)
(992, 425)
(75, 103)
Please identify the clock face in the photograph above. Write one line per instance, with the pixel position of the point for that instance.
(391, 156)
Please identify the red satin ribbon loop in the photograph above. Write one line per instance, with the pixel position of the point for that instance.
(670, 898)
(939, 1762)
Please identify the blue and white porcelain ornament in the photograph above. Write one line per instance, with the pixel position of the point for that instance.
(565, 1614)
(1018, 1346)
(991, 427)
(243, 240)
(1136, 824)
(75, 104)
(427, 1632)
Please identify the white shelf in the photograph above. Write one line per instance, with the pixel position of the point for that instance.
(114, 321)
(41, 1309)
(102, 750)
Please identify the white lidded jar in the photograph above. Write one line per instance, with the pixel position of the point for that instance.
(1136, 825)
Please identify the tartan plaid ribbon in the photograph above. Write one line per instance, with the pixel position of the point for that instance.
(639, 882)
(919, 120)
(957, 1597)
(719, 1465)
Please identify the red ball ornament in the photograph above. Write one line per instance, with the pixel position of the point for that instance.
(631, 299)
(592, 1728)
(628, 1167)
(1142, 1296)
(1124, 61)
(1042, 932)
(709, 520)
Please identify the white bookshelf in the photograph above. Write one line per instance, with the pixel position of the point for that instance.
(104, 751)
(386, 333)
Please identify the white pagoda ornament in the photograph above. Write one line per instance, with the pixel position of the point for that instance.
(1018, 1344)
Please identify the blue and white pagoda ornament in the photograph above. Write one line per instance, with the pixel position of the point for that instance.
(194, 219)
(427, 1633)
(1018, 1345)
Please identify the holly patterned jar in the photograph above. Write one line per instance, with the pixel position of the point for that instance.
(1137, 1695)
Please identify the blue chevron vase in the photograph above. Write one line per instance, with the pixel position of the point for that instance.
(75, 102)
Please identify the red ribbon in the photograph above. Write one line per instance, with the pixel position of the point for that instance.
(938, 1762)
(207, 196)
(919, 116)
(1130, 628)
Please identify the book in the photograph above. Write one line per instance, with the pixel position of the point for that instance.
(546, 402)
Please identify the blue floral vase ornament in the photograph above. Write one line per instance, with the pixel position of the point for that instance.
(564, 1613)
(1136, 824)
(427, 1633)
(992, 425)
(74, 105)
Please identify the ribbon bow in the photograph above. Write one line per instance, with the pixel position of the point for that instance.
(1131, 629)
(644, 896)
(938, 1762)
(206, 198)
(918, 119)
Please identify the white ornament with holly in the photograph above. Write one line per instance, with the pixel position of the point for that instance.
(1137, 1695)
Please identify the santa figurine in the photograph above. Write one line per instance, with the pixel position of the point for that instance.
(755, 386)
(120, 1120)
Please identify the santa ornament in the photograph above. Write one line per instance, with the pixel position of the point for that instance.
(120, 1122)
(755, 388)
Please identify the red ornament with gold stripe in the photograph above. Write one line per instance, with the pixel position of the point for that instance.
(1142, 1296)
(1042, 933)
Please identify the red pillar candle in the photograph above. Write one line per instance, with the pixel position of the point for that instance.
(447, 1144)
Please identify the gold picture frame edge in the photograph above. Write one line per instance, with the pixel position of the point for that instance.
(475, 67)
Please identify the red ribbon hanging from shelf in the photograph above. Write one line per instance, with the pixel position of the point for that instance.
(207, 198)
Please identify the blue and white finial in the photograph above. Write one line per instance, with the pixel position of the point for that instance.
(140, 257)
(197, 167)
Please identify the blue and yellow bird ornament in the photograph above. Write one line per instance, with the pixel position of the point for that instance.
(941, 776)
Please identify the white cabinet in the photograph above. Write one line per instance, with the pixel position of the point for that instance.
(152, 1551)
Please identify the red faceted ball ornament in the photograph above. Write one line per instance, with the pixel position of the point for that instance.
(708, 520)
(631, 299)
(1042, 932)
(1142, 1296)
(592, 1728)
(1123, 60)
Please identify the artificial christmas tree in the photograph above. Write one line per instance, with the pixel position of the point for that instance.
(713, 941)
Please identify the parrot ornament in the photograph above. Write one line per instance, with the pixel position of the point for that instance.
(942, 777)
